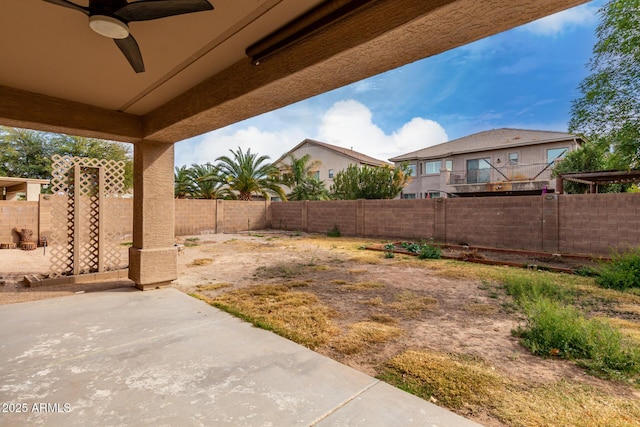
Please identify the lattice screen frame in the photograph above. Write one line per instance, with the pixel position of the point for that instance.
(85, 216)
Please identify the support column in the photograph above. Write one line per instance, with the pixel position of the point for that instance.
(153, 257)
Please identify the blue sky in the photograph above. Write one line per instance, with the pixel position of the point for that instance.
(523, 78)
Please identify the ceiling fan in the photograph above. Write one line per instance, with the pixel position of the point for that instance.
(110, 18)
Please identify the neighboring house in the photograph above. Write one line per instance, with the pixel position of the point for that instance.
(332, 159)
(28, 189)
(491, 163)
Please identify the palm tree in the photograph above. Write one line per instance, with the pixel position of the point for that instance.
(247, 174)
(182, 182)
(207, 182)
(311, 189)
(299, 177)
(299, 170)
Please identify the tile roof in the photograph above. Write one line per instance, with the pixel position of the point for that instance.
(487, 140)
(359, 157)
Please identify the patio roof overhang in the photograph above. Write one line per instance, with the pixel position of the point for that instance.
(60, 76)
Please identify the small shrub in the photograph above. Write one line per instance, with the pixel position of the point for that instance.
(388, 250)
(622, 273)
(429, 252)
(413, 248)
(334, 232)
(557, 330)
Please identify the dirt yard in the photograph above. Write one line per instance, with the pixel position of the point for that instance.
(444, 310)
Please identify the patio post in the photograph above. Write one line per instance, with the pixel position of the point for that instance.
(153, 256)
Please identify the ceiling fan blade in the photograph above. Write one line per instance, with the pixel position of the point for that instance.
(145, 10)
(65, 3)
(131, 51)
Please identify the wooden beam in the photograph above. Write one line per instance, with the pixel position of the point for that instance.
(380, 36)
(29, 110)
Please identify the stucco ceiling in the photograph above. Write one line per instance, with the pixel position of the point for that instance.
(57, 74)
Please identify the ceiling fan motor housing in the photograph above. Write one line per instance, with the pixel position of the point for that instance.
(109, 26)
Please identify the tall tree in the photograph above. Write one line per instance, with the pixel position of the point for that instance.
(609, 107)
(248, 174)
(25, 153)
(592, 156)
(299, 177)
(369, 182)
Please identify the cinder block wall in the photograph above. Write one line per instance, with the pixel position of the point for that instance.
(323, 216)
(596, 223)
(288, 216)
(399, 218)
(18, 215)
(577, 224)
(499, 222)
(195, 217)
(243, 216)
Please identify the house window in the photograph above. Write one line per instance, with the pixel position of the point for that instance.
(556, 154)
(316, 174)
(448, 164)
(513, 159)
(330, 173)
(432, 167)
(411, 171)
(478, 171)
(409, 196)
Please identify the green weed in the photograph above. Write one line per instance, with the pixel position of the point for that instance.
(622, 273)
(554, 329)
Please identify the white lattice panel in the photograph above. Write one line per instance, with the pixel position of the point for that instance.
(85, 211)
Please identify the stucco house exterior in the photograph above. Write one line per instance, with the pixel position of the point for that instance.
(490, 163)
(332, 159)
(13, 188)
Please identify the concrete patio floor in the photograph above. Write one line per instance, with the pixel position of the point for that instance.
(162, 358)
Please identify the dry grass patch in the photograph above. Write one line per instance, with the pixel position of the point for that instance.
(298, 316)
(374, 302)
(385, 319)
(566, 404)
(320, 268)
(357, 271)
(468, 385)
(411, 304)
(338, 282)
(627, 327)
(372, 258)
(362, 286)
(213, 287)
(281, 271)
(199, 262)
(450, 380)
(298, 283)
(629, 308)
(363, 334)
(480, 308)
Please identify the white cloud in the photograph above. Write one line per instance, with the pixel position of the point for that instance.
(555, 24)
(210, 146)
(347, 124)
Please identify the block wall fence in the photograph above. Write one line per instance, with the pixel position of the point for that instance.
(591, 224)
(571, 224)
